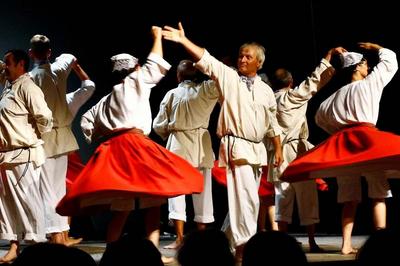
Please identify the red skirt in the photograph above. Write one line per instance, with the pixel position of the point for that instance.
(352, 151)
(266, 188)
(129, 165)
(75, 167)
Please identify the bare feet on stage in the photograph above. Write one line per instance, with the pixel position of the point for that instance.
(11, 255)
(71, 241)
(349, 251)
(168, 260)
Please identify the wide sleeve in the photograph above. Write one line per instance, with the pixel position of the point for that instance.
(63, 64)
(37, 107)
(383, 72)
(78, 97)
(161, 121)
(273, 126)
(88, 123)
(322, 74)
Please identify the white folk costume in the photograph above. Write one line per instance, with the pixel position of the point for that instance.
(128, 165)
(291, 114)
(24, 116)
(183, 118)
(356, 148)
(248, 113)
(52, 79)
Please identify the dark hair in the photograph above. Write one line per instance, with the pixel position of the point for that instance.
(205, 247)
(131, 249)
(186, 70)
(381, 248)
(282, 78)
(20, 55)
(40, 45)
(273, 248)
(53, 254)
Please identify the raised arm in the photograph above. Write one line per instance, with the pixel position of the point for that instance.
(178, 36)
(334, 51)
(76, 67)
(370, 46)
(157, 38)
(78, 97)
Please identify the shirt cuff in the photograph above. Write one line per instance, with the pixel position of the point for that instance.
(159, 60)
(87, 83)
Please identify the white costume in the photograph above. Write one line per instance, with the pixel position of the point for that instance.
(24, 116)
(52, 79)
(183, 119)
(291, 114)
(358, 102)
(247, 115)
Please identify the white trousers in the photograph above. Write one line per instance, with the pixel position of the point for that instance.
(243, 203)
(53, 188)
(306, 195)
(21, 205)
(349, 187)
(202, 203)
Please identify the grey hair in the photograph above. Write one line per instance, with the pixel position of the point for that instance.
(260, 51)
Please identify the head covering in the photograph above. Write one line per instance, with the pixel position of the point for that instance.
(123, 61)
(350, 58)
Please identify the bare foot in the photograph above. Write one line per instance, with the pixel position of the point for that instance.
(168, 260)
(9, 257)
(71, 241)
(174, 245)
(349, 251)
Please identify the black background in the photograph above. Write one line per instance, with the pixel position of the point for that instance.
(296, 34)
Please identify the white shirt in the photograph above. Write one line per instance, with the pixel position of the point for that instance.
(78, 97)
(183, 118)
(52, 79)
(358, 101)
(127, 106)
(291, 114)
(247, 114)
(24, 116)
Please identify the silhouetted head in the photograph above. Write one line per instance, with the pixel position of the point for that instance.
(53, 254)
(273, 248)
(131, 250)
(205, 247)
(381, 248)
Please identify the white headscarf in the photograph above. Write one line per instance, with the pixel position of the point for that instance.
(123, 61)
(350, 59)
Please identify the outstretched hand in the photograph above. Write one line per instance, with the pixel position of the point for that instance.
(173, 34)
